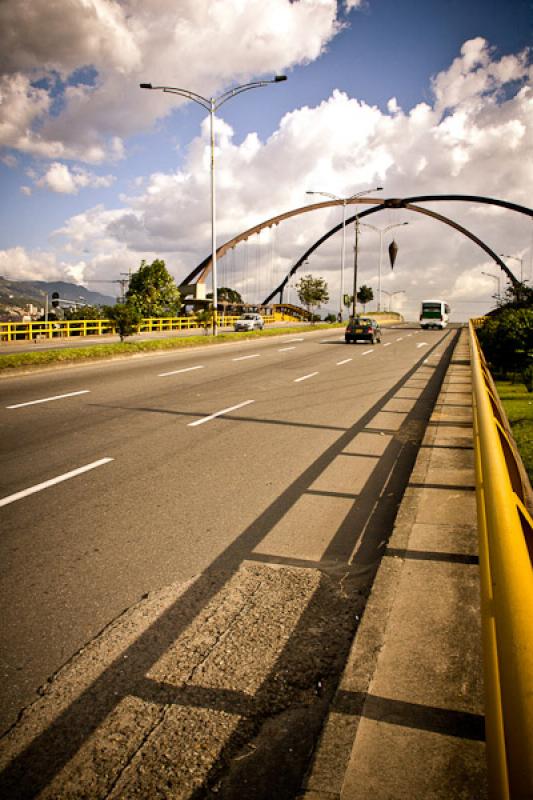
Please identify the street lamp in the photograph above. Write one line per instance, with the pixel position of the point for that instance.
(496, 278)
(344, 201)
(381, 231)
(391, 295)
(516, 258)
(212, 104)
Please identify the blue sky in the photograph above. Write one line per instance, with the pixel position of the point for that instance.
(97, 174)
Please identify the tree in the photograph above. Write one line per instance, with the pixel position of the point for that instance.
(507, 342)
(518, 295)
(125, 317)
(312, 293)
(227, 298)
(84, 312)
(365, 295)
(153, 291)
(227, 295)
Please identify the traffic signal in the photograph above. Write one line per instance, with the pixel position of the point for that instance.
(55, 299)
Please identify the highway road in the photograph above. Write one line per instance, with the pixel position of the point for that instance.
(122, 477)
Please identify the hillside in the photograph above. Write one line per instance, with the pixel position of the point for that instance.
(20, 293)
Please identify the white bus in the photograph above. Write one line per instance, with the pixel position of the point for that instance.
(434, 314)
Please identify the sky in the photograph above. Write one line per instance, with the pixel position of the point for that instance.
(416, 97)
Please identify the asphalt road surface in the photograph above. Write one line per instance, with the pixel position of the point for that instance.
(123, 477)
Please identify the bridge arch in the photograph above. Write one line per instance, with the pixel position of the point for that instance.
(409, 207)
(202, 270)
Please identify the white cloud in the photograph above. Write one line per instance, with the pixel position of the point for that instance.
(481, 146)
(64, 180)
(128, 42)
(16, 263)
(62, 35)
(473, 75)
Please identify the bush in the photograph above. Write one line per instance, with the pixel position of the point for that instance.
(507, 342)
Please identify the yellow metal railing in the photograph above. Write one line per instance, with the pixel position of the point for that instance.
(506, 569)
(12, 331)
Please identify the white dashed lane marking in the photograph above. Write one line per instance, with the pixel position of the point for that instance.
(53, 481)
(220, 413)
(177, 371)
(49, 399)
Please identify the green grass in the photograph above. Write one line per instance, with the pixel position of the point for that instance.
(518, 405)
(97, 352)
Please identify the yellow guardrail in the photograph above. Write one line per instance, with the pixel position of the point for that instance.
(506, 569)
(12, 331)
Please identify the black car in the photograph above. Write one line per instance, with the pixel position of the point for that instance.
(362, 329)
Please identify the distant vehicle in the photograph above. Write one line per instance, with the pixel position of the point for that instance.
(434, 314)
(362, 329)
(249, 322)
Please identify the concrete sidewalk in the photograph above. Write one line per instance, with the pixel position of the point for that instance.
(407, 718)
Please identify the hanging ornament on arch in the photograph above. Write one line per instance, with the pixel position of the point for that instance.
(393, 252)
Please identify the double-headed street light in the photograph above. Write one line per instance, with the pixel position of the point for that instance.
(344, 201)
(212, 104)
(497, 279)
(516, 258)
(381, 231)
(391, 295)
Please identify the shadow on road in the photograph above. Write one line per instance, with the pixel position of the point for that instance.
(280, 723)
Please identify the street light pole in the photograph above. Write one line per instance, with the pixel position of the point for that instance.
(211, 105)
(344, 201)
(382, 231)
(355, 265)
(516, 258)
(497, 279)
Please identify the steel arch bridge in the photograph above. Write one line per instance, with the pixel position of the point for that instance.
(199, 274)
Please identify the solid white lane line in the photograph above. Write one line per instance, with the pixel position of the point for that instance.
(49, 399)
(367, 352)
(388, 344)
(177, 371)
(343, 362)
(284, 349)
(52, 482)
(243, 358)
(305, 377)
(219, 413)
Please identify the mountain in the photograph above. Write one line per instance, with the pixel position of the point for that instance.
(20, 293)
